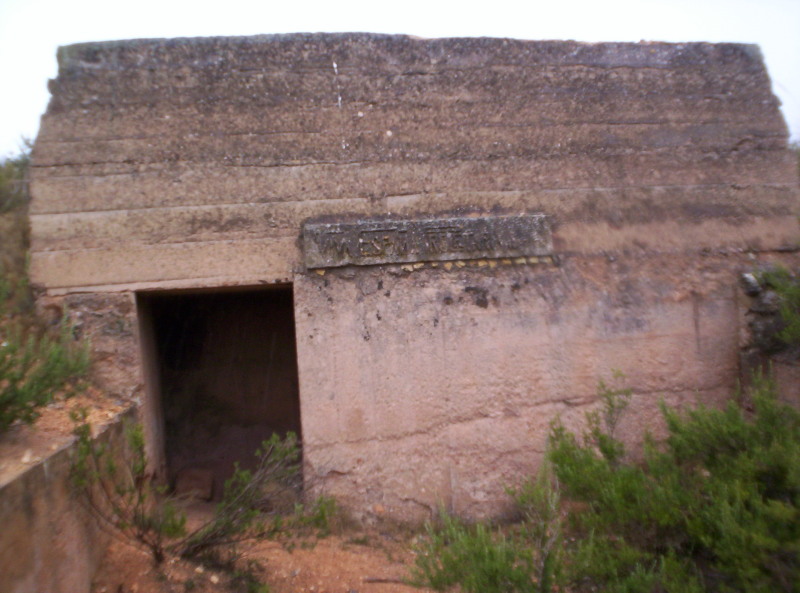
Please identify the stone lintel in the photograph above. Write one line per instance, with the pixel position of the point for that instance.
(365, 243)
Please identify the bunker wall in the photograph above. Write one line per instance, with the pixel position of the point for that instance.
(662, 171)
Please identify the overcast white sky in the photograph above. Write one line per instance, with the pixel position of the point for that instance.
(31, 30)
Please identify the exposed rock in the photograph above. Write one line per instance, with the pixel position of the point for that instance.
(750, 284)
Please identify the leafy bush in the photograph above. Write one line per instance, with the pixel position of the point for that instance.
(541, 530)
(34, 365)
(121, 493)
(237, 516)
(716, 507)
(126, 498)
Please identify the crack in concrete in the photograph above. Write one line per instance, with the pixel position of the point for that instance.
(568, 403)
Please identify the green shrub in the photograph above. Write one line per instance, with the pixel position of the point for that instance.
(126, 498)
(475, 557)
(540, 530)
(34, 365)
(713, 507)
(323, 515)
(121, 493)
(716, 507)
(237, 516)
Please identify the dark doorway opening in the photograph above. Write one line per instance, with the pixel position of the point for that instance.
(224, 369)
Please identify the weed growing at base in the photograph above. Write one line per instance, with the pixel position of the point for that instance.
(714, 507)
(483, 559)
(125, 497)
(475, 557)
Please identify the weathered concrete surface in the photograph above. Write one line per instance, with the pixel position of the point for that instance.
(108, 322)
(194, 162)
(438, 386)
(50, 541)
(662, 170)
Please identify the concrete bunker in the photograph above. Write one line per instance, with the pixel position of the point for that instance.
(224, 369)
(475, 232)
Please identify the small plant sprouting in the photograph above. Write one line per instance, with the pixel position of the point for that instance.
(603, 423)
(477, 558)
(247, 581)
(323, 515)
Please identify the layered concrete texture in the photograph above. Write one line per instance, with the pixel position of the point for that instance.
(655, 173)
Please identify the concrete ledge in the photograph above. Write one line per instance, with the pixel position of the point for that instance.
(49, 541)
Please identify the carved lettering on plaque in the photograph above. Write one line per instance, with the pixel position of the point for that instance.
(329, 245)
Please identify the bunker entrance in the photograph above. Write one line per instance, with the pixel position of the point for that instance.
(223, 376)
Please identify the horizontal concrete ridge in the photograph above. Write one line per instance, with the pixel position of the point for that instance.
(216, 140)
(394, 51)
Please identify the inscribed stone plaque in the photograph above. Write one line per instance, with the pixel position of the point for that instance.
(330, 245)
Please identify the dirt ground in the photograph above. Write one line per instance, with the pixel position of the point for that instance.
(353, 561)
